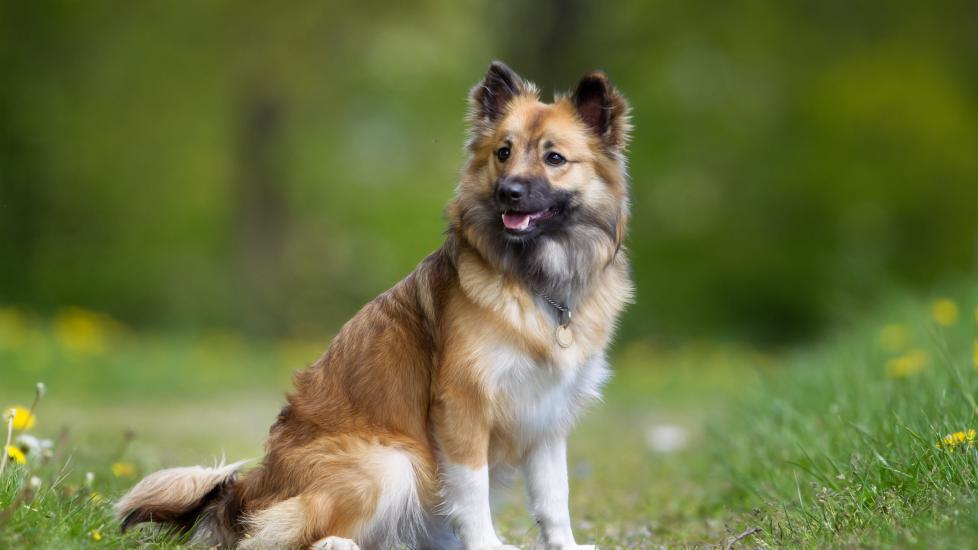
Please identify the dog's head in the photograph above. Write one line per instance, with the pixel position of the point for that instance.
(544, 194)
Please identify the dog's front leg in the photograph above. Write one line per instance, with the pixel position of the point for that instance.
(545, 471)
(466, 493)
(463, 442)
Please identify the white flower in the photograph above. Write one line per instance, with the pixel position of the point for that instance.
(28, 443)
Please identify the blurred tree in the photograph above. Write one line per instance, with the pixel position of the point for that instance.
(543, 40)
(260, 210)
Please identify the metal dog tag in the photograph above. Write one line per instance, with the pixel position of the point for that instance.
(565, 337)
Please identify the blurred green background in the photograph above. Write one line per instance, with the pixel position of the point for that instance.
(194, 196)
(268, 168)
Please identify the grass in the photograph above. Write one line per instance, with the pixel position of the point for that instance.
(838, 445)
(841, 448)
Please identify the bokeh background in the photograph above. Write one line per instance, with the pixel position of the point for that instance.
(270, 169)
(194, 197)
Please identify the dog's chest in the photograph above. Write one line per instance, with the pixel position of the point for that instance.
(534, 401)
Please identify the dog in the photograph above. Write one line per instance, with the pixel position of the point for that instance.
(473, 367)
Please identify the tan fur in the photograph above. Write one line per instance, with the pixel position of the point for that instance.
(167, 496)
(409, 371)
(177, 487)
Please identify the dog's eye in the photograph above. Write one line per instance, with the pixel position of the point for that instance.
(554, 159)
(502, 154)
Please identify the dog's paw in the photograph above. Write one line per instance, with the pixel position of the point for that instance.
(334, 543)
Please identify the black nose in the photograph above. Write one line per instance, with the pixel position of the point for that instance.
(510, 191)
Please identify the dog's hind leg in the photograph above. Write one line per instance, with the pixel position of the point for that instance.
(375, 501)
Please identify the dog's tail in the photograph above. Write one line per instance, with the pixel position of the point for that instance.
(192, 498)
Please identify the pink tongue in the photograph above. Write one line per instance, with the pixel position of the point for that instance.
(515, 221)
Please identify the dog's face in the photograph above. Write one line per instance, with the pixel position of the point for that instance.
(544, 195)
(538, 158)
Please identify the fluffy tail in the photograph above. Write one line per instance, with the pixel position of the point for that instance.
(189, 498)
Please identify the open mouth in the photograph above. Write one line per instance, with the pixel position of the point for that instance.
(524, 222)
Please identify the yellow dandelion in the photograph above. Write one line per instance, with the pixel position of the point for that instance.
(96, 535)
(16, 454)
(23, 418)
(123, 469)
(944, 312)
(13, 328)
(893, 338)
(908, 364)
(96, 498)
(954, 440)
(84, 332)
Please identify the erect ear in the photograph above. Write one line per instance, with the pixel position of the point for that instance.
(603, 109)
(490, 97)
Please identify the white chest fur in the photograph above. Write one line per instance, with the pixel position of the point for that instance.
(533, 402)
(536, 387)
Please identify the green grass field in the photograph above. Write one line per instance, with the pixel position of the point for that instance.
(859, 441)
